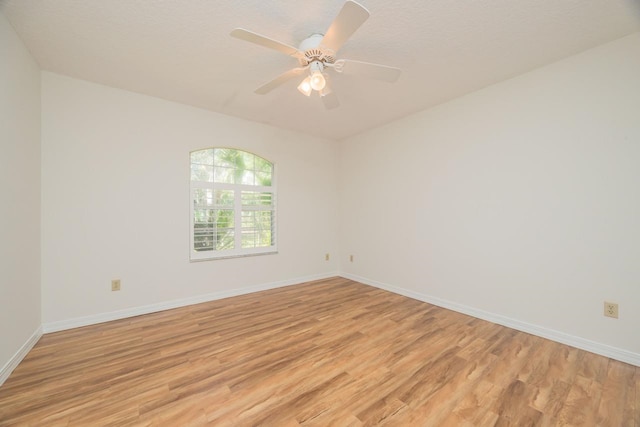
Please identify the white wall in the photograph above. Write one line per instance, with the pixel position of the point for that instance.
(115, 194)
(19, 199)
(521, 200)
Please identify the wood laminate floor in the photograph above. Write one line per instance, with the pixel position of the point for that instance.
(332, 352)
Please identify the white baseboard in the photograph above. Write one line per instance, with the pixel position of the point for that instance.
(20, 354)
(167, 305)
(561, 337)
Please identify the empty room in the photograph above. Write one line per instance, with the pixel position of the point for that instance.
(279, 213)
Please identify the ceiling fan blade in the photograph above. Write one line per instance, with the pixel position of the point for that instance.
(282, 78)
(368, 70)
(351, 17)
(250, 36)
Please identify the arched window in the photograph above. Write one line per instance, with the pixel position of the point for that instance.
(232, 204)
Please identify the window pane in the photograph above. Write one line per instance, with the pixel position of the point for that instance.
(248, 161)
(248, 177)
(257, 229)
(248, 239)
(203, 230)
(224, 175)
(224, 221)
(256, 198)
(213, 228)
(225, 239)
(224, 198)
(201, 173)
(202, 243)
(202, 197)
(263, 179)
(224, 218)
(224, 157)
(263, 165)
(201, 215)
(203, 157)
(207, 197)
(232, 159)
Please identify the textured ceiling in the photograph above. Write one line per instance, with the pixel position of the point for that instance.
(181, 50)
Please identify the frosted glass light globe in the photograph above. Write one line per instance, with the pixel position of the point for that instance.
(317, 81)
(305, 87)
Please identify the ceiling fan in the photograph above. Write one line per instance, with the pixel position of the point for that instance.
(317, 55)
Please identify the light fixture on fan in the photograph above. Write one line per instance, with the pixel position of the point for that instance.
(315, 80)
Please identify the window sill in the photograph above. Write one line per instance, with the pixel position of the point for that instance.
(274, 252)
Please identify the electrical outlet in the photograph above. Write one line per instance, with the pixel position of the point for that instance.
(115, 285)
(350, 258)
(611, 309)
(326, 257)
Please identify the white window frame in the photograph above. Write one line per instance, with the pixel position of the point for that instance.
(238, 250)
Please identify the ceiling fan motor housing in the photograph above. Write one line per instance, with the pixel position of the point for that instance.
(313, 51)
